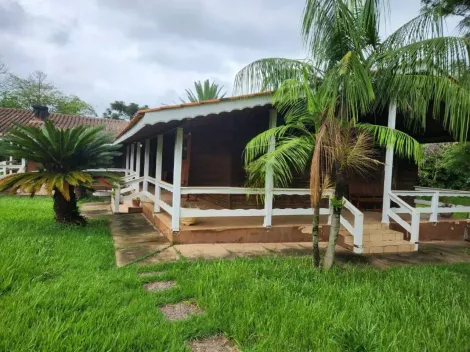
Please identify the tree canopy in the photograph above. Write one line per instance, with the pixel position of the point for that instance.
(120, 110)
(446, 166)
(36, 89)
(204, 91)
(459, 8)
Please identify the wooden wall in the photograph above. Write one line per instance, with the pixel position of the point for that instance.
(217, 145)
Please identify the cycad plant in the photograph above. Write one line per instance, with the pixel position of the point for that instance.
(64, 155)
(204, 91)
(349, 73)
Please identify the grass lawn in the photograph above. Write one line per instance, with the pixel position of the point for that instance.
(60, 291)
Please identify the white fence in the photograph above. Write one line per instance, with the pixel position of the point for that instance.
(434, 207)
(12, 167)
(138, 186)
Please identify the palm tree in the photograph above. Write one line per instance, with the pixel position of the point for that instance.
(204, 91)
(64, 156)
(350, 72)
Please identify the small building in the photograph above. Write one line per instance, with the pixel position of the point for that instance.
(186, 162)
(9, 118)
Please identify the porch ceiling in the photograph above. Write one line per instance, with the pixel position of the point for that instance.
(148, 123)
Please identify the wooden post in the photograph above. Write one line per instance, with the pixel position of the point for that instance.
(414, 236)
(128, 160)
(137, 165)
(158, 172)
(11, 164)
(388, 172)
(358, 233)
(434, 207)
(117, 198)
(146, 164)
(132, 165)
(269, 185)
(23, 164)
(175, 217)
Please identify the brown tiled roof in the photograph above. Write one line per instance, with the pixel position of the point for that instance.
(10, 117)
(141, 113)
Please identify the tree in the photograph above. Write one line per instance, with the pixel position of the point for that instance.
(120, 110)
(23, 93)
(350, 72)
(446, 166)
(204, 91)
(459, 8)
(64, 156)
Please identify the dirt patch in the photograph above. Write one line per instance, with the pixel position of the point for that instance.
(150, 273)
(159, 285)
(180, 311)
(213, 344)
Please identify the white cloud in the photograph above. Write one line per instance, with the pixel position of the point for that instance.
(150, 51)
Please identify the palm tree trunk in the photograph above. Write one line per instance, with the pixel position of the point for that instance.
(315, 230)
(335, 220)
(66, 211)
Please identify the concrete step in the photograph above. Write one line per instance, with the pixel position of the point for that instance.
(379, 240)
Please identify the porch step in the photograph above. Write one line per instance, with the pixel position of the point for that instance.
(378, 240)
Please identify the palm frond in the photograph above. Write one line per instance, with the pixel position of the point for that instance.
(403, 144)
(270, 73)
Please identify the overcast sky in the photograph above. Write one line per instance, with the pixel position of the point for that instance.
(149, 51)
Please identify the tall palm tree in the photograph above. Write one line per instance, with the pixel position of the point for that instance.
(204, 91)
(350, 72)
(64, 156)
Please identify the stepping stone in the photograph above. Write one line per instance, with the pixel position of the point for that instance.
(180, 311)
(212, 344)
(159, 286)
(150, 273)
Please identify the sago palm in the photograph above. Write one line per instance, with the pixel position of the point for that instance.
(64, 155)
(204, 91)
(350, 72)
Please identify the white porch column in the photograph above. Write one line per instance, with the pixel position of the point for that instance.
(392, 116)
(268, 187)
(11, 164)
(128, 160)
(146, 163)
(137, 165)
(175, 216)
(23, 164)
(132, 165)
(158, 173)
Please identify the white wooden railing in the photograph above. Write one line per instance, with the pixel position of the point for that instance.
(404, 208)
(138, 187)
(433, 207)
(9, 167)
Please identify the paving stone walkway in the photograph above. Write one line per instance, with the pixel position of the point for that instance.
(137, 241)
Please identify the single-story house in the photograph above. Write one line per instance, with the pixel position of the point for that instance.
(186, 162)
(11, 117)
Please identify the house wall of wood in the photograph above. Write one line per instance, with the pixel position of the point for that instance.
(217, 146)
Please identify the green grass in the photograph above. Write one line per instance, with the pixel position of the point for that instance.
(60, 291)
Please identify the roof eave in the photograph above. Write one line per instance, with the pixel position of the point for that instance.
(190, 111)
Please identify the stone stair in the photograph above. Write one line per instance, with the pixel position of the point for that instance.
(377, 238)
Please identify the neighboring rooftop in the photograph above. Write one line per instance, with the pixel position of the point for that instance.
(10, 117)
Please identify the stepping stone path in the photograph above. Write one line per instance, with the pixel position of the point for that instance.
(150, 273)
(159, 285)
(212, 344)
(180, 311)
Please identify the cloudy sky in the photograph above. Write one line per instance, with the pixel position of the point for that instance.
(149, 51)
